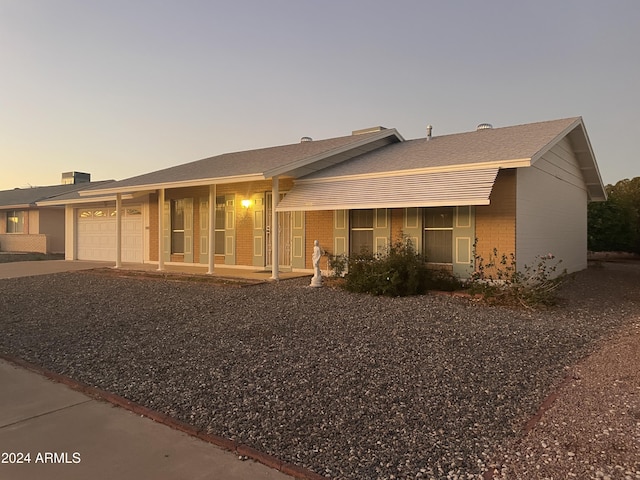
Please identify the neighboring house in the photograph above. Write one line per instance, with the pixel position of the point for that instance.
(27, 227)
(522, 189)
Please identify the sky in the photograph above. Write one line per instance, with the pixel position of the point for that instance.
(117, 88)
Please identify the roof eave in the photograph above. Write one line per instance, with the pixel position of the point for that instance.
(355, 206)
(101, 198)
(151, 187)
(17, 205)
(501, 164)
(585, 157)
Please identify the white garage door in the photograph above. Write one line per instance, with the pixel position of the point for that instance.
(96, 239)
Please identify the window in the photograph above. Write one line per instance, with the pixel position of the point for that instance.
(177, 226)
(15, 221)
(438, 234)
(220, 221)
(361, 223)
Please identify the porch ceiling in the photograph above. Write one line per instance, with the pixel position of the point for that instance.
(453, 188)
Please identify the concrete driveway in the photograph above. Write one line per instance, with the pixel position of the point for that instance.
(45, 267)
(50, 431)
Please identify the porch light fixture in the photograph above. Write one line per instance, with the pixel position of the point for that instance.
(246, 203)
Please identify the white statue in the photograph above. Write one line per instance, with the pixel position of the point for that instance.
(316, 281)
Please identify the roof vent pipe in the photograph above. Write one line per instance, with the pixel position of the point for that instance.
(306, 139)
(484, 126)
(429, 128)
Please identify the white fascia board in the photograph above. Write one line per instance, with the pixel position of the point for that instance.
(85, 200)
(337, 151)
(586, 158)
(557, 138)
(342, 206)
(183, 184)
(516, 163)
(18, 206)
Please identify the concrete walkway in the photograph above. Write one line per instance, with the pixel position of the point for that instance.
(45, 267)
(69, 436)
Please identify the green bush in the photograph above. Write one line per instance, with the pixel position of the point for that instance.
(398, 272)
(338, 265)
(501, 282)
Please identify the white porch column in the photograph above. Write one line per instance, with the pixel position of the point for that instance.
(70, 233)
(118, 230)
(212, 228)
(275, 199)
(160, 229)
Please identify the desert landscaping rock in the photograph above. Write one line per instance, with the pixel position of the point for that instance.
(347, 385)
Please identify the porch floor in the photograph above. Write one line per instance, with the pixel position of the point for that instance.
(219, 271)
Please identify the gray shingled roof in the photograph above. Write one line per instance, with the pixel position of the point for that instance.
(488, 145)
(28, 197)
(261, 162)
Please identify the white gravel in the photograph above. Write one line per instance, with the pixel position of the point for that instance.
(348, 385)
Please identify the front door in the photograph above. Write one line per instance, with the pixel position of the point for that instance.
(284, 234)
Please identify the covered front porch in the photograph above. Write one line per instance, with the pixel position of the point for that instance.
(222, 273)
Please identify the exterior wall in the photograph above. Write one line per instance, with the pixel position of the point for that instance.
(51, 223)
(397, 224)
(44, 232)
(244, 234)
(19, 242)
(177, 194)
(496, 223)
(31, 222)
(152, 228)
(244, 218)
(552, 210)
(318, 226)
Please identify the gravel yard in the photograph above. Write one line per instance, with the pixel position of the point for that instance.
(349, 386)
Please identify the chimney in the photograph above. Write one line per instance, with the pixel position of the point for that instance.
(72, 178)
(368, 130)
(429, 127)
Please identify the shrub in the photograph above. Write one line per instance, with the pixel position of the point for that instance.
(397, 272)
(338, 265)
(500, 281)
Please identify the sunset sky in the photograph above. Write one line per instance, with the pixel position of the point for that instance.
(118, 88)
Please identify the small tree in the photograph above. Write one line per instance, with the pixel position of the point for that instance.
(614, 225)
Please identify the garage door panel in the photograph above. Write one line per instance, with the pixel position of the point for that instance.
(96, 237)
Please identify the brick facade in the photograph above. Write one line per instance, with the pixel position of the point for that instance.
(397, 224)
(318, 226)
(496, 223)
(18, 242)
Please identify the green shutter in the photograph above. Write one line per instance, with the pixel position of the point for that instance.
(340, 232)
(166, 231)
(412, 227)
(230, 230)
(203, 212)
(258, 231)
(381, 230)
(464, 228)
(188, 230)
(297, 240)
